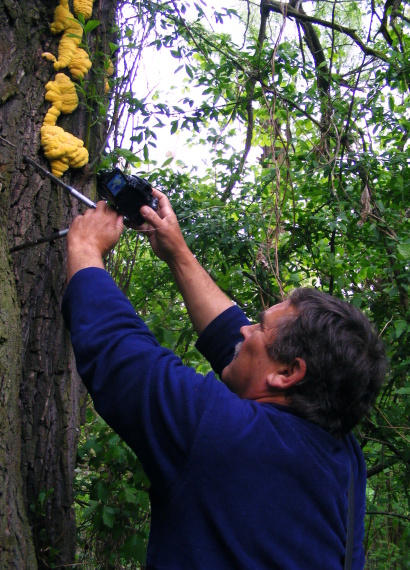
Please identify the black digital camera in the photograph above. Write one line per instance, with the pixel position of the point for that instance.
(127, 193)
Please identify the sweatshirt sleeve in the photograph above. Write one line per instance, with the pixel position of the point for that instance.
(142, 390)
(217, 342)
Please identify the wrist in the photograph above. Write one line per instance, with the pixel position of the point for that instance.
(181, 259)
(81, 257)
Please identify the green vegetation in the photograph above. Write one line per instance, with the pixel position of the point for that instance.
(326, 204)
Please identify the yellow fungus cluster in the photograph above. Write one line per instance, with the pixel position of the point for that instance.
(84, 7)
(65, 22)
(80, 64)
(62, 149)
(109, 71)
(62, 95)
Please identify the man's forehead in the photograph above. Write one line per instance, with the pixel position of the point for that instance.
(276, 311)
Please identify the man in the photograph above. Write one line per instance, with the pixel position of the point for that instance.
(249, 473)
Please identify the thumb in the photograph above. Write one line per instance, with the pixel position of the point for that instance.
(119, 224)
(151, 217)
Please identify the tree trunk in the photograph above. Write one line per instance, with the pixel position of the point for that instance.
(40, 393)
(15, 540)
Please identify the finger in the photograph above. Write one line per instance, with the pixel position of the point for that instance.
(76, 221)
(146, 230)
(163, 201)
(151, 217)
(157, 194)
(105, 209)
(102, 205)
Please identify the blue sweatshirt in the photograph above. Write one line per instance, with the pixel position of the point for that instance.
(235, 484)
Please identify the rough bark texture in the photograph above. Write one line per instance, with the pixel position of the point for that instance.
(40, 392)
(15, 539)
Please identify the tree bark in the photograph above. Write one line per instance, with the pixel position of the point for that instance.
(40, 393)
(15, 537)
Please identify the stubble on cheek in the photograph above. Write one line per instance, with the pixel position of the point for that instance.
(237, 350)
(225, 371)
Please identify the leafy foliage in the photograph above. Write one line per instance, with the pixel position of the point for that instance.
(111, 499)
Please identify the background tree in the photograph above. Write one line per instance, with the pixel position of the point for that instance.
(41, 395)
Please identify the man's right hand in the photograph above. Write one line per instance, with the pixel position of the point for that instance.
(163, 230)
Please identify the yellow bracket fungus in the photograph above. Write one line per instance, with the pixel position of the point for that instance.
(61, 93)
(109, 68)
(80, 64)
(62, 149)
(84, 7)
(64, 21)
(108, 71)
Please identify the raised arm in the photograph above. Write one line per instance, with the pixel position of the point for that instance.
(203, 298)
(92, 236)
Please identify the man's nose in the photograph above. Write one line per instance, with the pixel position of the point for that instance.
(246, 330)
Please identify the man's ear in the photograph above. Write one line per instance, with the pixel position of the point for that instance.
(286, 375)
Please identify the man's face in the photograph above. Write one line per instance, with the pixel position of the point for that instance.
(246, 374)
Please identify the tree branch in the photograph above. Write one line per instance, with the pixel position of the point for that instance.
(376, 469)
(315, 47)
(396, 515)
(383, 25)
(249, 110)
(272, 6)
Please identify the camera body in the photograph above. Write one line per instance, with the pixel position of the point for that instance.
(127, 193)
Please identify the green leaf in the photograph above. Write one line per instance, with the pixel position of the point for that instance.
(91, 25)
(190, 239)
(108, 517)
(130, 495)
(167, 161)
(92, 507)
(102, 491)
(128, 155)
(400, 326)
(135, 548)
(404, 250)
